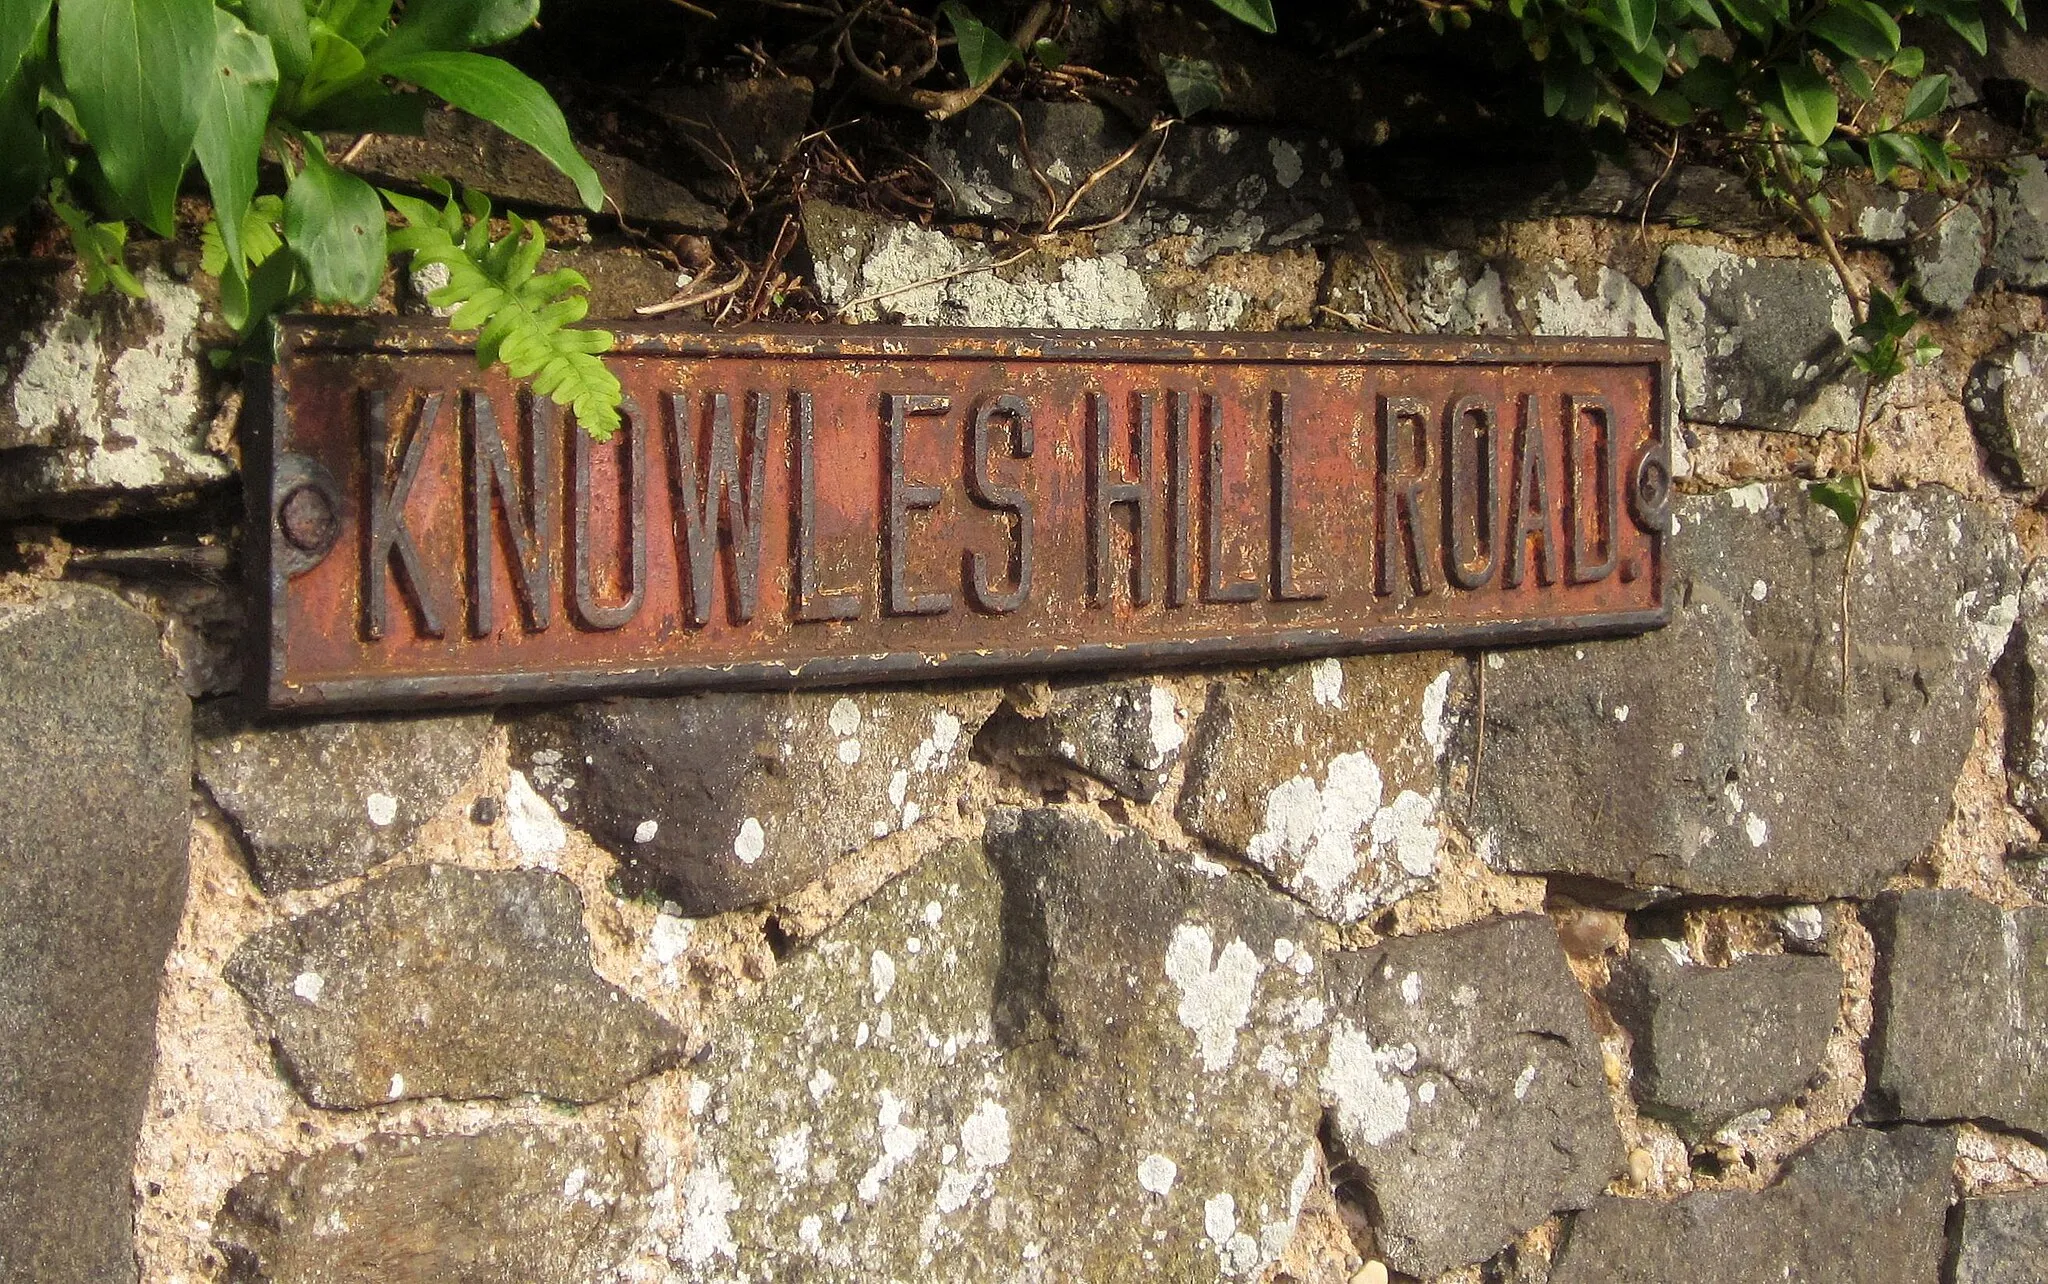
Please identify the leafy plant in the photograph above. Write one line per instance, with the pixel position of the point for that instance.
(107, 104)
(521, 319)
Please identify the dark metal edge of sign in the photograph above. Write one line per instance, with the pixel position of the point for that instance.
(266, 406)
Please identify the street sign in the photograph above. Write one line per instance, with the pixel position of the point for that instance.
(843, 504)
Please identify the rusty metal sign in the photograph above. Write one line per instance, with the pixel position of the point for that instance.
(845, 504)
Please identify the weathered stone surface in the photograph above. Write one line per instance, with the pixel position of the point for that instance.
(1464, 1078)
(1328, 776)
(1857, 1207)
(315, 802)
(435, 981)
(1945, 254)
(723, 799)
(511, 1203)
(1714, 1043)
(1758, 343)
(1089, 1061)
(742, 131)
(1527, 183)
(103, 403)
(1230, 187)
(1419, 290)
(2003, 1239)
(884, 270)
(472, 154)
(95, 747)
(2023, 680)
(2016, 207)
(1724, 760)
(1128, 735)
(1961, 1010)
(2007, 401)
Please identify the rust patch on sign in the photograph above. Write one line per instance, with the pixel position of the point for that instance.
(848, 504)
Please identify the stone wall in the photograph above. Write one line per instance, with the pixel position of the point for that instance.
(1681, 957)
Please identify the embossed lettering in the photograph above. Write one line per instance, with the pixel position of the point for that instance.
(391, 548)
(983, 488)
(529, 516)
(1213, 587)
(1589, 423)
(1402, 534)
(1471, 492)
(1179, 484)
(1532, 502)
(697, 505)
(631, 445)
(812, 605)
(1105, 497)
(1285, 587)
(905, 497)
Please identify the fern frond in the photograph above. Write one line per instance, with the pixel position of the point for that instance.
(521, 319)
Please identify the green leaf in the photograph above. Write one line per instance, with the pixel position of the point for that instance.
(1670, 106)
(231, 125)
(1857, 28)
(285, 25)
(1193, 84)
(24, 160)
(1857, 79)
(1809, 102)
(1842, 496)
(136, 72)
(356, 21)
(98, 246)
(337, 66)
(446, 26)
(1890, 153)
(983, 51)
(262, 235)
(1256, 13)
(1753, 16)
(1969, 24)
(19, 22)
(246, 304)
(1710, 85)
(1927, 99)
(494, 91)
(1908, 63)
(1645, 68)
(1050, 54)
(1635, 21)
(335, 224)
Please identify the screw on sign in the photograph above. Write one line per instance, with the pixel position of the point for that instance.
(849, 504)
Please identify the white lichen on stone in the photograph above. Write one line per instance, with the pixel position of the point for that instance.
(535, 829)
(708, 1201)
(899, 1141)
(1156, 1174)
(1216, 990)
(1366, 1085)
(750, 841)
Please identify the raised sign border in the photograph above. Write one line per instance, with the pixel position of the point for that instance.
(267, 411)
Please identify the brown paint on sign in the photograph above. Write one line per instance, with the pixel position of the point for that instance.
(862, 504)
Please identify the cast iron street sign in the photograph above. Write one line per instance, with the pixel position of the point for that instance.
(841, 505)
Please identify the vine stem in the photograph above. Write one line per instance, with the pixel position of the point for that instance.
(1855, 530)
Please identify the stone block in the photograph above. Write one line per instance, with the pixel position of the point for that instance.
(1714, 1043)
(741, 131)
(2003, 1239)
(1945, 254)
(2023, 680)
(2015, 206)
(1463, 1077)
(1128, 735)
(104, 403)
(723, 800)
(1961, 1010)
(1857, 1207)
(434, 981)
(883, 270)
(1329, 776)
(1720, 754)
(1082, 1055)
(2007, 402)
(509, 1203)
(1758, 343)
(315, 802)
(1228, 186)
(1422, 290)
(472, 154)
(95, 747)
